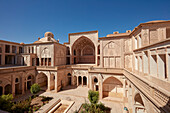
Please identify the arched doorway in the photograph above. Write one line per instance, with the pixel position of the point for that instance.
(8, 89)
(112, 87)
(83, 51)
(17, 86)
(69, 78)
(138, 104)
(1, 90)
(79, 80)
(29, 82)
(84, 80)
(95, 84)
(42, 80)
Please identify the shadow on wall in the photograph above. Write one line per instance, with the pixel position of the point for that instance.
(166, 108)
(68, 87)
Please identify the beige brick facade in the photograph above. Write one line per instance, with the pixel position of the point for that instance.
(132, 66)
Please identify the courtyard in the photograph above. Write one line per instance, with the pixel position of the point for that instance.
(79, 95)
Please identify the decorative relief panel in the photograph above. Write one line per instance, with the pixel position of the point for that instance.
(145, 37)
(111, 53)
(153, 36)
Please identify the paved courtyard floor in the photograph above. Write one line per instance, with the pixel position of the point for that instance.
(79, 95)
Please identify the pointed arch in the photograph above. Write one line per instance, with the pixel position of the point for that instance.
(112, 87)
(83, 51)
(139, 104)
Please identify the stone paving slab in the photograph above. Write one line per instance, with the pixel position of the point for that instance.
(80, 95)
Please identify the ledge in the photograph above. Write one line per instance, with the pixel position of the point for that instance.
(154, 44)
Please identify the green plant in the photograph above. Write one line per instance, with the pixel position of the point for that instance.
(35, 88)
(6, 102)
(93, 107)
(21, 107)
(93, 96)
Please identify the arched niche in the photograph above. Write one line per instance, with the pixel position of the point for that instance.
(112, 87)
(42, 79)
(138, 104)
(83, 51)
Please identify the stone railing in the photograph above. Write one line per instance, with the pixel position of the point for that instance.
(77, 66)
(157, 95)
(106, 70)
(53, 67)
(16, 68)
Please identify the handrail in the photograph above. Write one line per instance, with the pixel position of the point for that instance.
(159, 98)
(157, 95)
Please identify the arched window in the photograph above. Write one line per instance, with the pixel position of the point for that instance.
(98, 49)
(29, 77)
(95, 80)
(68, 74)
(16, 80)
(74, 52)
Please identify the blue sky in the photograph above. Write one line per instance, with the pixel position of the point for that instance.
(26, 20)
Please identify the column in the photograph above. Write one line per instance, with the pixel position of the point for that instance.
(168, 65)
(23, 85)
(26, 84)
(96, 55)
(101, 54)
(13, 85)
(145, 62)
(90, 81)
(10, 48)
(82, 81)
(30, 49)
(3, 55)
(56, 82)
(77, 81)
(100, 90)
(124, 88)
(47, 61)
(40, 61)
(27, 49)
(3, 90)
(161, 66)
(49, 85)
(149, 62)
(43, 61)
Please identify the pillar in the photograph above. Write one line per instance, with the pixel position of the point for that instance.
(101, 54)
(23, 85)
(56, 90)
(3, 90)
(124, 88)
(26, 84)
(43, 61)
(49, 85)
(77, 81)
(90, 81)
(3, 55)
(96, 55)
(47, 61)
(10, 48)
(82, 81)
(13, 85)
(168, 65)
(100, 90)
(30, 49)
